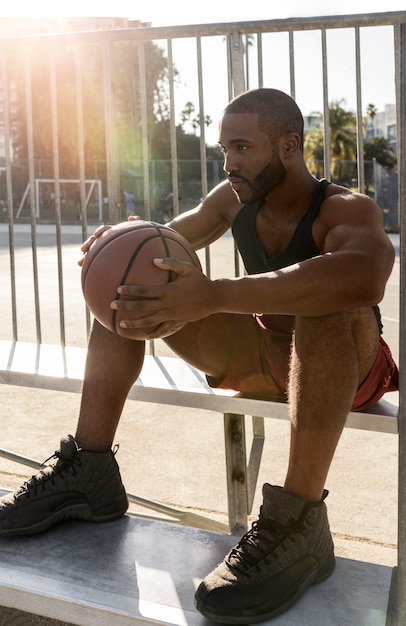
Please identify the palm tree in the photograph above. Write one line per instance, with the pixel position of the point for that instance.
(343, 142)
(371, 112)
(186, 112)
(342, 128)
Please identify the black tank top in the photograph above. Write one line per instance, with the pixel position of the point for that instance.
(300, 248)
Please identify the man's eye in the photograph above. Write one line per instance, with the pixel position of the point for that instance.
(241, 148)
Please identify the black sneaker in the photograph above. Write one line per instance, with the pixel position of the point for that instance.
(80, 485)
(286, 551)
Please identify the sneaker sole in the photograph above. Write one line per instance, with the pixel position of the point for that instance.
(313, 577)
(80, 512)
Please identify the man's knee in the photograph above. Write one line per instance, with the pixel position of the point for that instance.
(360, 322)
(325, 327)
(354, 334)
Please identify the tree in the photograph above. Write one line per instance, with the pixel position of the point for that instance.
(379, 149)
(371, 112)
(186, 117)
(343, 142)
(186, 112)
(127, 102)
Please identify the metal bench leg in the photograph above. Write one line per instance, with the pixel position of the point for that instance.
(258, 434)
(236, 468)
(241, 477)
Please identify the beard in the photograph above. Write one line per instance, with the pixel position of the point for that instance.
(263, 183)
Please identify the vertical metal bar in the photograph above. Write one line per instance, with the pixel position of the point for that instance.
(144, 141)
(30, 144)
(236, 468)
(112, 164)
(360, 129)
(229, 69)
(260, 60)
(400, 65)
(57, 187)
(254, 462)
(238, 86)
(326, 113)
(230, 95)
(237, 268)
(292, 65)
(31, 177)
(203, 161)
(144, 128)
(81, 139)
(57, 190)
(9, 188)
(172, 124)
(247, 61)
(237, 62)
(78, 51)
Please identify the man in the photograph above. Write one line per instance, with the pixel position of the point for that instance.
(129, 200)
(302, 322)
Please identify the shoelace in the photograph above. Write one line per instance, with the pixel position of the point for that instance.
(38, 480)
(258, 542)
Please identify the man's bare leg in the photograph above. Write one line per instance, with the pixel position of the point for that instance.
(206, 344)
(83, 481)
(112, 366)
(114, 363)
(331, 356)
(290, 547)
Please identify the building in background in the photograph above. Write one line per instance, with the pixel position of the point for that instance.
(383, 124)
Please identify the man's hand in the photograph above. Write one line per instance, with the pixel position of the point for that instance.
(163, 310)
(97, 233)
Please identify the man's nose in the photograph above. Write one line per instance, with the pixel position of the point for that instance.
(230, 164)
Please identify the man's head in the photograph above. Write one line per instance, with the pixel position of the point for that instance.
(278, 114)
(260, 132)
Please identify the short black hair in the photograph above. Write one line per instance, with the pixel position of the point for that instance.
(278, 114)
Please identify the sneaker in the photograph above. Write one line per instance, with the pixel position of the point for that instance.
(79, 485)
(286, 551)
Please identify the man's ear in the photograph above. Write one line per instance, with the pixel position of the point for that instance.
(290, 144)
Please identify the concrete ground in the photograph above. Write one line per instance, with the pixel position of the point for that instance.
(178, 459)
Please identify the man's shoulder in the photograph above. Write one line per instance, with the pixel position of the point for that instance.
(337, 195)
(343, 207)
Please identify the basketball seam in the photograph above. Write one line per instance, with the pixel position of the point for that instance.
(128, 268)
(163, 236)
(111, 239)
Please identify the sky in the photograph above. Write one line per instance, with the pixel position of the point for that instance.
(161, 12)
(377, 63)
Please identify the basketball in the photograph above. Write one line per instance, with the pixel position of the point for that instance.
(124, 254)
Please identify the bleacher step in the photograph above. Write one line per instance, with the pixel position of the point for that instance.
(137, 571)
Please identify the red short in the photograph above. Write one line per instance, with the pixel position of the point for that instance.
(261, 368)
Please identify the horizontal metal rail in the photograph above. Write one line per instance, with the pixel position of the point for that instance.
(390, 18)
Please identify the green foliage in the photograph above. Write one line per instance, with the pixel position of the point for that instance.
(343, 145)
(379, 148)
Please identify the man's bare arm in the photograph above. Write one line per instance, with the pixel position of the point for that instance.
(352, 271)
(210, 219)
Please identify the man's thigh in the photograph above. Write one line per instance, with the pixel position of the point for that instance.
(236, 353)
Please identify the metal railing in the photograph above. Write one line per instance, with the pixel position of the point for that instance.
(65, 66)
